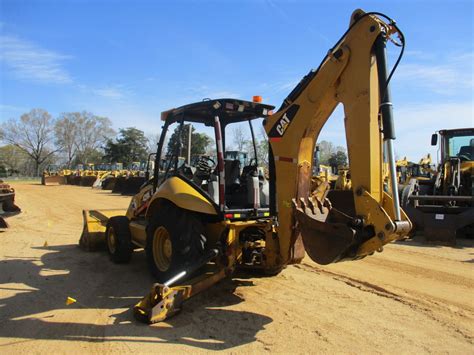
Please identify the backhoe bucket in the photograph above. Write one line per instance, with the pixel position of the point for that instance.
(95, 223)
(324, 242)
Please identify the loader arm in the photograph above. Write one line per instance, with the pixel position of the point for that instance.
(351, 74)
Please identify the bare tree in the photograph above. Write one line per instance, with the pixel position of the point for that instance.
(33, 133)
(66, 131)
(239, 137)
(326, 149)
(92, 134)
(153, 140)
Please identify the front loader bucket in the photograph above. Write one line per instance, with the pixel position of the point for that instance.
(54, 180)
(7, 203)
(118, 186)
(95, 223)
(87, 180)
(132, 184)
(109, 183)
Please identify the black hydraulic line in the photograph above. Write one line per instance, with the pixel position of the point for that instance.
(385, 96)
(308, 77)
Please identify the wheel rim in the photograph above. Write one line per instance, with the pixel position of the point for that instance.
(112, 240)
(162, 248)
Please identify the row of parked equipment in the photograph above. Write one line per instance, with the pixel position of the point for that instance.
(102, 176)
(439, 200)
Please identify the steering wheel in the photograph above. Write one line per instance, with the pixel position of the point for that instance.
(205, 165)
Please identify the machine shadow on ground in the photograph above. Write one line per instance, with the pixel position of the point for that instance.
(36, 290)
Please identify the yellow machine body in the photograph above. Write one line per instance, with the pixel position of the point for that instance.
(299, 222)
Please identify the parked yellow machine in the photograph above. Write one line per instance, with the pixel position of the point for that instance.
(7, 202)
(198, 224)
(53, 175)
(443, 207)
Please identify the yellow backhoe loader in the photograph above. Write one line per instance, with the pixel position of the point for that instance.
(443, 207)
(199, 225)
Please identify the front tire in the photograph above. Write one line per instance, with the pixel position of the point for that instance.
(119, 239)
(174, 242)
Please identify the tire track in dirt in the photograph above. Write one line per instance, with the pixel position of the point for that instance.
(420, 305)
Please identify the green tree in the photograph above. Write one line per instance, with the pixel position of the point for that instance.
(338, 159)
(199, 142)
(13, 158)
(131, 145)
(88, 156)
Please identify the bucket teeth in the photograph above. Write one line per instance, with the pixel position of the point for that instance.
(324, 242)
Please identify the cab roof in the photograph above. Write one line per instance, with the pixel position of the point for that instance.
(457, 131)
(228, 110)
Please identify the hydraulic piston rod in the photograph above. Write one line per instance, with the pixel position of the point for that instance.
(387, 118)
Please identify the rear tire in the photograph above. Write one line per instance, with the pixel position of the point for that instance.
(119, 239)
(174, 242)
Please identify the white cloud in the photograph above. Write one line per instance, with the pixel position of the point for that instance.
(28, 61)
(110, 92)
(414, 125)
(447, 77)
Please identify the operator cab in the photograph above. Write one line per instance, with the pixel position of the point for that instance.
(212, 146)
(456, 143)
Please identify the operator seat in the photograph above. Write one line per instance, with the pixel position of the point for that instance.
(467, 151)
(232, 174)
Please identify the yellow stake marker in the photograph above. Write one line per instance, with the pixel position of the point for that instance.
(70, 301)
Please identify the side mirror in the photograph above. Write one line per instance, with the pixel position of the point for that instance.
(434, 139)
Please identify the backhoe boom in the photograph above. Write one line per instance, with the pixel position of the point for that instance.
(332, 229)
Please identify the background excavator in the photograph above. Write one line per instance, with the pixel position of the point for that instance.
(443, 207)
(199, 225)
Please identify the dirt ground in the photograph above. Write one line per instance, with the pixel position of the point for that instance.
(410, 298)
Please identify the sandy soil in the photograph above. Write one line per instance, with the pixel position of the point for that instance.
(410, 298)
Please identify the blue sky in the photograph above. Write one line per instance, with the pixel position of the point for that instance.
(130, 60)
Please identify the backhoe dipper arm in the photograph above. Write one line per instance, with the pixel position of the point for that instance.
(354, 74)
